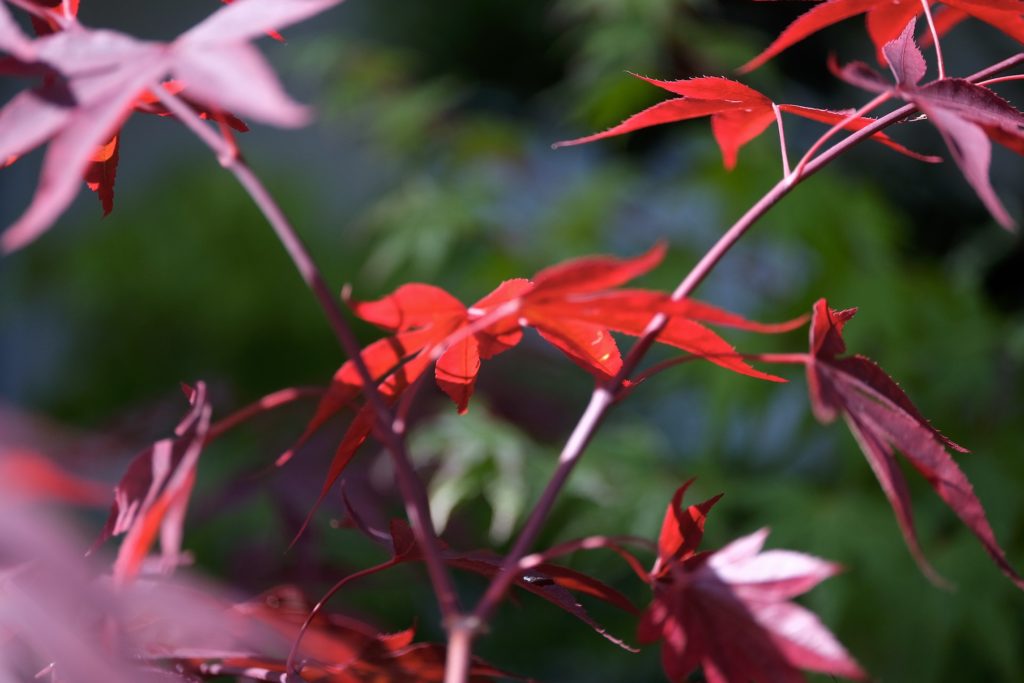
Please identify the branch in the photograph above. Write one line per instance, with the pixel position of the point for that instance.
(604, 396)
(415, 497)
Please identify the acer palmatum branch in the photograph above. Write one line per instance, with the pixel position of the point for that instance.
(411, 488)
(605, 395)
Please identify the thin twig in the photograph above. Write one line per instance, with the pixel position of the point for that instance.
(318, 607)
(268, 402)
(413, 494)
(782, 139)
(827, 135)
(926, 4)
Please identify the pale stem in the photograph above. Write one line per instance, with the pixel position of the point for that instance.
(782, 139)
(411, 488)
(820, 142)
(604, 396)
(926, 4)
(1002, 79)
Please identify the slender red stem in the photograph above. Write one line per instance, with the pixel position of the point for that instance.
(318, 607)
(827, 135)
(268, 402)
(411, 488)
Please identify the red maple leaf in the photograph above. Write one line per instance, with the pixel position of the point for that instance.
(95, 78)
(152, 496)
(728, 611)
(738, 115)
(886, 19)
(967, 115)
(340, 649)
(571, 305)
(884, 420)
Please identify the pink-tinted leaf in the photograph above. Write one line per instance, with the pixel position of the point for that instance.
(772, 574)
(273, 34)
(905, 58)
(84, 130)
(236, 77)
(12, 40)
(972, 151)
(727, 612)
(246, 19)
(31, 118)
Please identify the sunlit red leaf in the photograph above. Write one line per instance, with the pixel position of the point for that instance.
(738, 115)
(886, 19)
(884, 421)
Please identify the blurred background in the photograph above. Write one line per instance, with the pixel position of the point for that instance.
(430, 161)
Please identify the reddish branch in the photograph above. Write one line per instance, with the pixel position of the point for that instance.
(411, 488)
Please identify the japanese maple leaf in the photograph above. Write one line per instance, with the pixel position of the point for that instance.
(884, 420)
(101, 173)
(573, 306)
(738, 115)
(97, 77)
(968, 116)
(341, 649)
(153, 495)
(729, 611)
(886, 19)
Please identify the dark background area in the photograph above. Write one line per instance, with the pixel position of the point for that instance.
(430, 161)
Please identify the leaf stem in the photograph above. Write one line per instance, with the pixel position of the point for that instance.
(318, 607)
(410, 486)
(926, 4)
(604, 396)
(268, 402)
(782, 139)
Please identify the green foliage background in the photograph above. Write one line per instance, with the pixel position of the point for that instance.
(431, 162)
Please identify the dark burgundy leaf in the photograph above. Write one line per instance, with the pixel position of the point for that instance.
(884, 420)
